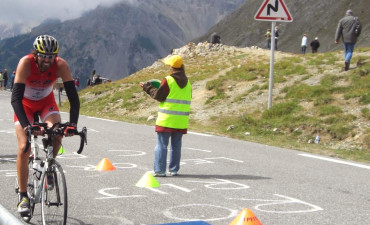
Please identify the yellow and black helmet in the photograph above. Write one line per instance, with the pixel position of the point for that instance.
(46, 44)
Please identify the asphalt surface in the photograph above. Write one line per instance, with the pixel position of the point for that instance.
(219, 177)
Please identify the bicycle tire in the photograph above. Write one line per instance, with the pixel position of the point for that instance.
(54, 201)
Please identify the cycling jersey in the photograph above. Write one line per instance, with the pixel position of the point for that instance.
(40, 85)
(38, 95)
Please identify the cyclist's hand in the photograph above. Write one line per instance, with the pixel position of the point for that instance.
(70, 130)
(37, 130)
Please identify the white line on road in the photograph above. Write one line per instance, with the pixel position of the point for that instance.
(336, 161)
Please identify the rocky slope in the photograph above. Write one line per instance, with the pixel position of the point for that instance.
(235, 98)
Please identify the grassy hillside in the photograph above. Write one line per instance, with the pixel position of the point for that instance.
(312, 95)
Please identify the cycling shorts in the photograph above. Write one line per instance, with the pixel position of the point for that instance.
(44, 107)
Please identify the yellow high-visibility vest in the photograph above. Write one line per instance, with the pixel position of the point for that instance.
(174, 111)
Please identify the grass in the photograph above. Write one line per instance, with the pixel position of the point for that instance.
(307, 103)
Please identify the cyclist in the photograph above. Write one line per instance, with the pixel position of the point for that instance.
(33, 93)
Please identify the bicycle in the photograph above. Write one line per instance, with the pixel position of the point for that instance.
(46, 181)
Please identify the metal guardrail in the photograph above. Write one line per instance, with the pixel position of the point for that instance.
(6, 218)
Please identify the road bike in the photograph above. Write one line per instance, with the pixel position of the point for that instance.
(46, 181)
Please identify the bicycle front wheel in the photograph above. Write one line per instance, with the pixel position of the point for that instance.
(54, 202)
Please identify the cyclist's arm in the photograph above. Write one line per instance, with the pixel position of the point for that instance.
(69, 85)
(23, 71)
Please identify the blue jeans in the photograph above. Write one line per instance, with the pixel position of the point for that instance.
(348, 50)
(160, 151)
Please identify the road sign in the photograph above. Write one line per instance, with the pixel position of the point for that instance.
(273, 10)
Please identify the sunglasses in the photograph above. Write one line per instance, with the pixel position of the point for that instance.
(44, 56)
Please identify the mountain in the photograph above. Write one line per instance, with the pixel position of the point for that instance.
(316, 18)
(120, 40)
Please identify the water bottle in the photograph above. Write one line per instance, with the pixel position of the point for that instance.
(317, 139)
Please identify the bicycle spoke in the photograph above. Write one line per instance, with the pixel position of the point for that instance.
(54, 202)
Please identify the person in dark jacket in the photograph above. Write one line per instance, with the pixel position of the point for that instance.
(349, 29)
(174, 96)
(215, 38)
(5, 78)
(315, 44)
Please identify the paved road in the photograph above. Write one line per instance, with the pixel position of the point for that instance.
(219, 177)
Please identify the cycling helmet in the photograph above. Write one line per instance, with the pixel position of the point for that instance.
(46, 44)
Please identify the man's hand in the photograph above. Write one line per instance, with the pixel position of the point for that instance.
(36, 130)
(336, 42)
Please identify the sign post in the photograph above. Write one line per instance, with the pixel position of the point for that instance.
(273, 10)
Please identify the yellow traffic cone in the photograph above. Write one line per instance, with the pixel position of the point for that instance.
(147, 181)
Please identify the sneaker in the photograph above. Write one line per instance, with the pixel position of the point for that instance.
(173, 173)
(159, 174)
(50, 181)
(24, 206)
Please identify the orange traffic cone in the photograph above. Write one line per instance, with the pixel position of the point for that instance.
(105, 165)
(246, 217)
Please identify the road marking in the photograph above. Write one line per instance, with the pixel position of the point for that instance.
(200, 134)
(222, 184)
(197, 149)
(133, 152)
(288, 200)
(336, 161)
(103, 192)
(91, 117)
(198, 214)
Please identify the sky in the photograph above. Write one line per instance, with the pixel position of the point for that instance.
(36, 11)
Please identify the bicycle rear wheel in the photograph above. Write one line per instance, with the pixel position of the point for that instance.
(54, 202)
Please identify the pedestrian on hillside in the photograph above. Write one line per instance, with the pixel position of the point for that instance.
(5, 78)
(315, 44)
(174, 95)
(304, 44)
(215, 38)
(349, 29)
(268, 38)
(1, 80)
(276, 36)
(12, 76)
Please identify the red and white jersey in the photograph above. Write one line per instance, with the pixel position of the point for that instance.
(40, 85)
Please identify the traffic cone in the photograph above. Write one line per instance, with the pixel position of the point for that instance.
(147, 181)
(246, 217)
(61, 150)
(105, 165)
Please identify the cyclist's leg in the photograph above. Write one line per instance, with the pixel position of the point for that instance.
(22, 158)
(50, 115)
(57, 140)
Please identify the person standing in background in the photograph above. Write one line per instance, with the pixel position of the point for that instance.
(304, 44)
(315, 44)
(1, 80)
(268, 38)
(215, 38)
(12, 76)
(5, 78)
(174, 96)
(349, 29)
(276, 36)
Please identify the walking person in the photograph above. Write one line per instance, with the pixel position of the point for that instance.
(315, 44)
(174, 95)
(1, 80)
(349, 29)
(304, 44)
(5, 78)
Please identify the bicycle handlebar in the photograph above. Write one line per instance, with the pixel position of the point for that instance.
(53, 131)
